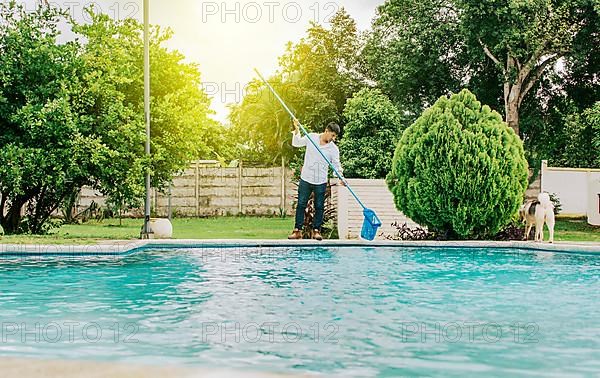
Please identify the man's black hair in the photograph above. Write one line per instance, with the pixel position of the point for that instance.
(333, 127)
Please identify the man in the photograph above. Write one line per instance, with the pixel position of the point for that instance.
(313, 178)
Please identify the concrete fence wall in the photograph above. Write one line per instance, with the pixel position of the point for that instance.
(215, 191)
(578, 190)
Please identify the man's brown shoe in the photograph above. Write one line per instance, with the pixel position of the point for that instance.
(296, 234)
(317, 235)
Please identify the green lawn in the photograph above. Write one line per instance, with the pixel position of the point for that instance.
(574, 230)
(183, 228)
(230, 228)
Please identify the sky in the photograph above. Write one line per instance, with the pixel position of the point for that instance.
(228, 38)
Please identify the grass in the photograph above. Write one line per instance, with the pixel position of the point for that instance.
(183, 228)
(230, 228)
(574, 230)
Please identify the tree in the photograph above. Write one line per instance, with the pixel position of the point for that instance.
(43, 155)
(326, 60)
(316, 77)
(573, 133)
(411, 53)
(262, 126)
(592, 120)
(422, 49)
(547, 125)
(72, 114)
(523, 39)
(181, 128)
(373, 127)
(459, 170)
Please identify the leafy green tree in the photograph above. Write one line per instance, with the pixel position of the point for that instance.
(43, 156)
(411, 53)
(181, 128)
(547, 125)
(523, 39)
(316, 77)
(262, 127)
(579, 150)
(459, 169)
(72, 114)
(326, 60)
(572, 145)
(591, 118)
(373, 127)
(420, 50)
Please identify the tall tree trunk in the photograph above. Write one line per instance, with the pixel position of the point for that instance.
(42, 218)
(512, 104)
(13, 217)
(512, 118)
(520, 78)
(2, 203)
(46, 203)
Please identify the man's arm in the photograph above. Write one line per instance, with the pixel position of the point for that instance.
(335, 161)
(298, 140)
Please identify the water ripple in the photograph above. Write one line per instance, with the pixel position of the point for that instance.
(346, 312)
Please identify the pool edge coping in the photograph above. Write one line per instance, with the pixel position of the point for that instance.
(129, 247)
(70, 368)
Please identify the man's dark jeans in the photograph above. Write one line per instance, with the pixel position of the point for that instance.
(304, 191)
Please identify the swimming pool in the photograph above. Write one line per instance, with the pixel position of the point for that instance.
(351, 311)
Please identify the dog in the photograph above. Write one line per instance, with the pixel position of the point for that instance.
(538, 212)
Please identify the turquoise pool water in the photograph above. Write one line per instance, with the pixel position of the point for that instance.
(341, 312)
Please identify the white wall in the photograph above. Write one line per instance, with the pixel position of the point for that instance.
(593, 214)
(375, 195)
(576, 188)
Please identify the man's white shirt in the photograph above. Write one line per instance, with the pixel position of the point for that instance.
(315, 168)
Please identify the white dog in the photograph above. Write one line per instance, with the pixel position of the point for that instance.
(538, 212)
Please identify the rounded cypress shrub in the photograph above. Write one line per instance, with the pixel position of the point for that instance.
(459, 169)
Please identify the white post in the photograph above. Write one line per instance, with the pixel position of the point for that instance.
(542, 174)
(342, 208)
(593, 211)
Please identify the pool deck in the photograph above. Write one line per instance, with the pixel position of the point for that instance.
(126, 247)
(25, 368)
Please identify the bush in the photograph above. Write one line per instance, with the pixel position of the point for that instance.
(404, 232)
(370, 135)
(515, 230)
(459, 169)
